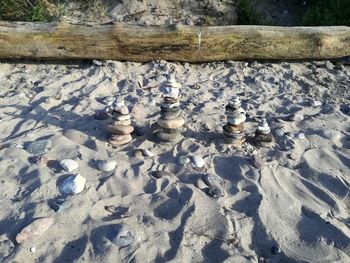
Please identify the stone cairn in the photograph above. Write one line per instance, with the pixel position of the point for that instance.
(120, 125)
(263, 135)
(169, 126)
(234, 128)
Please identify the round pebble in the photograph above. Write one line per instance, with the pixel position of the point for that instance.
(72, 185)
(123, 235)
(300, 136)
(106, 165)
(296, 117)
(198, 161)
(214, 192)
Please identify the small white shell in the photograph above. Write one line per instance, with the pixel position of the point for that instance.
(198, 161)
(106, 166)
(69, 165)
(72, 185)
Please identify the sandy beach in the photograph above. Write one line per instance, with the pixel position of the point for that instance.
(289, 202)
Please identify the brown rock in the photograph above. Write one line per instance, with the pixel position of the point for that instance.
(172, 123)
(169, 137)
(122, 110)
(170, 100)
(117, 140)
(234, 142)
(120, 129)
(235, 128)
(115, 123)
(34, 229)
(121, 117)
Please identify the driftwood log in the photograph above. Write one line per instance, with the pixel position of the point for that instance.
(70, 40)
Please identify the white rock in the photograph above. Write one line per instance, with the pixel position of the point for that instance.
(69, 165)
(119, 102)
(33, 249)
(264, 127)
(236, 120)
(296, 117)
(316, 103)
(108, 101)
(106, 165)
(148, 153)
(170, 91)
(72, 185)
(300, 136)
(198, 161)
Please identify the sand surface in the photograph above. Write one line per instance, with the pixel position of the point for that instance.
(294, 209)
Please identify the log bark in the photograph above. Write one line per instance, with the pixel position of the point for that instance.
(70, 40)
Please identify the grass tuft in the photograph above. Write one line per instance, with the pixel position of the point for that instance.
(24, 10)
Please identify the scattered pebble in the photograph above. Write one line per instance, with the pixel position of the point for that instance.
(214, 192)
(257, 161)
(60, 205)
(316, 103)
(276, 250)
(329, 65)
(296, 117)
(39, 160)
(72, 185)
(287, 144)
(183, 160)
(39, 147)
(198, 161)
(69, 165)
(34, 229)
(300, 136)
(106, 165)
(160, 174)
(123, 235)
(6, 249)
(32, 249)
(108, 101)
(148, 153)
(278, 132)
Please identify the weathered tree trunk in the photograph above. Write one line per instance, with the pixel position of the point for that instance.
(69, 40)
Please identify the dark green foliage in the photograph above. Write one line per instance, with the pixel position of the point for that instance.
(326, 13)
(247, 15)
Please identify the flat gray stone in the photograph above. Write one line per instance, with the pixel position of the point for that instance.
(39, 147)
(123, 235)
